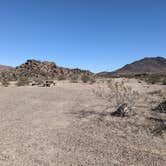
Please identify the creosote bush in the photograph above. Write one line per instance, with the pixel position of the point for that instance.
(117, 94)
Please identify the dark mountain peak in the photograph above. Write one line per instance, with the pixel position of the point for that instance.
(154, 58)
(145, 65)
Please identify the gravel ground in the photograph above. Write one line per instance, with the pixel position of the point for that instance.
(45, 127)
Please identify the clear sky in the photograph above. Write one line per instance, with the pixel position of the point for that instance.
(90, 34)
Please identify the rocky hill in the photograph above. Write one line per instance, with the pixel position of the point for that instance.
(155, 65)
(34, 69)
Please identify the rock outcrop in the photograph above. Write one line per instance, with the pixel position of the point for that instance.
(34, 69)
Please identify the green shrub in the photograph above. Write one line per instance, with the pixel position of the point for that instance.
(85, 78)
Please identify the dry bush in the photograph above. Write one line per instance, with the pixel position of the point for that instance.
(152, 78)
(161, 108)
(61, 77)
(154, 98)
(5, 82)
(164, 81)
(85, 78)
(119, 96)
(23, 82)
(92, 81)
(74, 79)
(158, 126)
(157, 104)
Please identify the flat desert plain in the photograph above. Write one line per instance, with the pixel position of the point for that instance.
(66, 125)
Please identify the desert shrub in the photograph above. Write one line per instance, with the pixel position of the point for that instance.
(37, 81)
(85, 78)
(161, 107)
(153, 79)
(158, 126)
(74, 79)
(92, 81)
(164, 81)
(22, 82)
(61, 77)
(118, 96)
(5, 82)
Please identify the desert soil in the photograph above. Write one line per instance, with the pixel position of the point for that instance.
(57, 127)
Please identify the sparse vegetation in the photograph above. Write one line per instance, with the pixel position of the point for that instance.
(164, 81)
(85, 78)
(38, 81)
(92, 80)
(118, 96)
(5, 82)
(152, 78)
(116, 115)
(23, 82)
(74, 79)
(61, 77)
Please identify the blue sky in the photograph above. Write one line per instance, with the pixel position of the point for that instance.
(91, 34)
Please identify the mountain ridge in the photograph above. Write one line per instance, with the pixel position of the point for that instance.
(5, 68)
(49, 70)
(147, 65)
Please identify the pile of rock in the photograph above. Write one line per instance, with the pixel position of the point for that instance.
(34, 69)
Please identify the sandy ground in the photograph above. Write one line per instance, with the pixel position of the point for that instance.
(47, 127)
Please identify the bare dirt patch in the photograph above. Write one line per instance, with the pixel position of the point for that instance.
(66, 125)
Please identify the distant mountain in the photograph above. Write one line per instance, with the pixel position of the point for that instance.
(153, 65)
(4, 68)
(35, 69)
